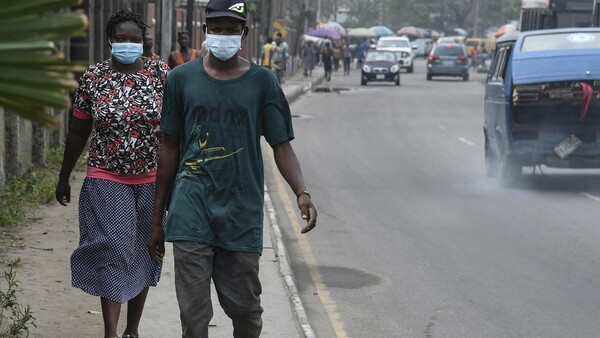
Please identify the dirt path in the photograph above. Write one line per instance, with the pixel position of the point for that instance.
(44, 271)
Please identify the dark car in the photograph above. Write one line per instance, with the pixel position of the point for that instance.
(541, 103)
(448, 59)
(380, 66)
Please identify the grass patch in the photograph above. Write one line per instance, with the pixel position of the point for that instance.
(23, 193)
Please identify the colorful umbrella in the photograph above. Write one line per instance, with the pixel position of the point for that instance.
(410, 30)
(382, 31)
(505, 29)
(361, 33)
(324, 33)
(335, 26)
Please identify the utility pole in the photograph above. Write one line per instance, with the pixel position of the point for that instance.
(318, 10)
(335, 10)
(476, 23)
(381, 12)
(166, 34)
(189, 19)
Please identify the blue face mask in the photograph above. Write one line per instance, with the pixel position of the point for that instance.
(223, 47)
(126, 52)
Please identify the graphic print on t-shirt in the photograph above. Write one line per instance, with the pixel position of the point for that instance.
(207, 146)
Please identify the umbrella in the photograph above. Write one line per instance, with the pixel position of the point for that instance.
(335, 26)
(361, 33)
(324, 33)
(382, 31)
(410, 30)
(460, 31)
(505, 29)
(314, 39)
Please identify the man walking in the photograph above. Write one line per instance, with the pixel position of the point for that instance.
(215, 111)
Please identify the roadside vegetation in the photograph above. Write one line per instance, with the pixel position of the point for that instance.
(19, 199)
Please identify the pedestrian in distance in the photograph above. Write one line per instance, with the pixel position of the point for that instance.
(347, 58)
(118, 103)
(149, 47)
(266, 53)
(278, 60)
(326, 55)
(307, 53)
(336, 55)
(215, 111)
(185, 53)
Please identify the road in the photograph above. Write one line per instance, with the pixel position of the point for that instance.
(414, 241)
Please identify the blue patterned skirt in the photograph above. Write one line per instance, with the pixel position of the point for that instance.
(112, 259)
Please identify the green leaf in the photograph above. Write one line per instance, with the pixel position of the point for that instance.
(33, 73)
(12, 8)
(50, 27)
(31, 112)
(39, 95)
(26, 46)
(38, 78)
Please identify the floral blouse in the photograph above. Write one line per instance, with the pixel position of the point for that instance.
(126, 111)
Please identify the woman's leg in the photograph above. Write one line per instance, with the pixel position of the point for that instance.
(135, 307)
(110, 315)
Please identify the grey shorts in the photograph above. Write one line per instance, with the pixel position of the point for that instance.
(235, 275)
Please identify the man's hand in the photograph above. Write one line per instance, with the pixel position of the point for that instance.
(308, 212)
(156, 243)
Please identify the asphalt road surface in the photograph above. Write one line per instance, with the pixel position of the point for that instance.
(413, 240)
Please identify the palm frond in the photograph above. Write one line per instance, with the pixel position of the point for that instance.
(34, 75)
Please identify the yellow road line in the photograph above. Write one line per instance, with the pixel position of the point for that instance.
(309, 258)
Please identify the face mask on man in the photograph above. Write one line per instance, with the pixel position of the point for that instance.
(224, 47)
(126, 52)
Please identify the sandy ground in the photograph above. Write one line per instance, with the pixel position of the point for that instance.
(44, 247)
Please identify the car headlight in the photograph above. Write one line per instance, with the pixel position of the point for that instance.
(394, 68)
(366, 69)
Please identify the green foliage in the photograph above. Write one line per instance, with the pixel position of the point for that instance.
(36, 186)
(34, 74)
(363, 13)
(15, 319)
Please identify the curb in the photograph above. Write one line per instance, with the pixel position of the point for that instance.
(292, 93)
(285, 270)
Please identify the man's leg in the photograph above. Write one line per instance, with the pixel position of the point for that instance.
(238, 287)
(193, 271)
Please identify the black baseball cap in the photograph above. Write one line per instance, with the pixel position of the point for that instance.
(232, 8)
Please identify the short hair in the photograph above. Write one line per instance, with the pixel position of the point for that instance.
(180, 33)
(125, 16)
(269, 40)
(279, 34)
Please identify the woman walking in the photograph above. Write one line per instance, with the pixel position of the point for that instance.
(118, 103)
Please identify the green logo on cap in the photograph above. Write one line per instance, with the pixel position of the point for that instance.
(239, 8)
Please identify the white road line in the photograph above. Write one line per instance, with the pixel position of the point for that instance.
(595, 198)
(441, 126)
(465, 141)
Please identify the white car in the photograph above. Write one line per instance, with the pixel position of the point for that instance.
(401, 46)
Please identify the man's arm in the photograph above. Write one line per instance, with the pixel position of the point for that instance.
(289, 167)
(165, 176)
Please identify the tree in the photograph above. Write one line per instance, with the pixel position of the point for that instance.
(363, 13)
(34, 74)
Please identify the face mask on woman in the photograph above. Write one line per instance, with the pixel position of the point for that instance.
(224, 47)
(126, 52)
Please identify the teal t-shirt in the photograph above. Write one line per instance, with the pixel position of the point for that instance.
(219, 190)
